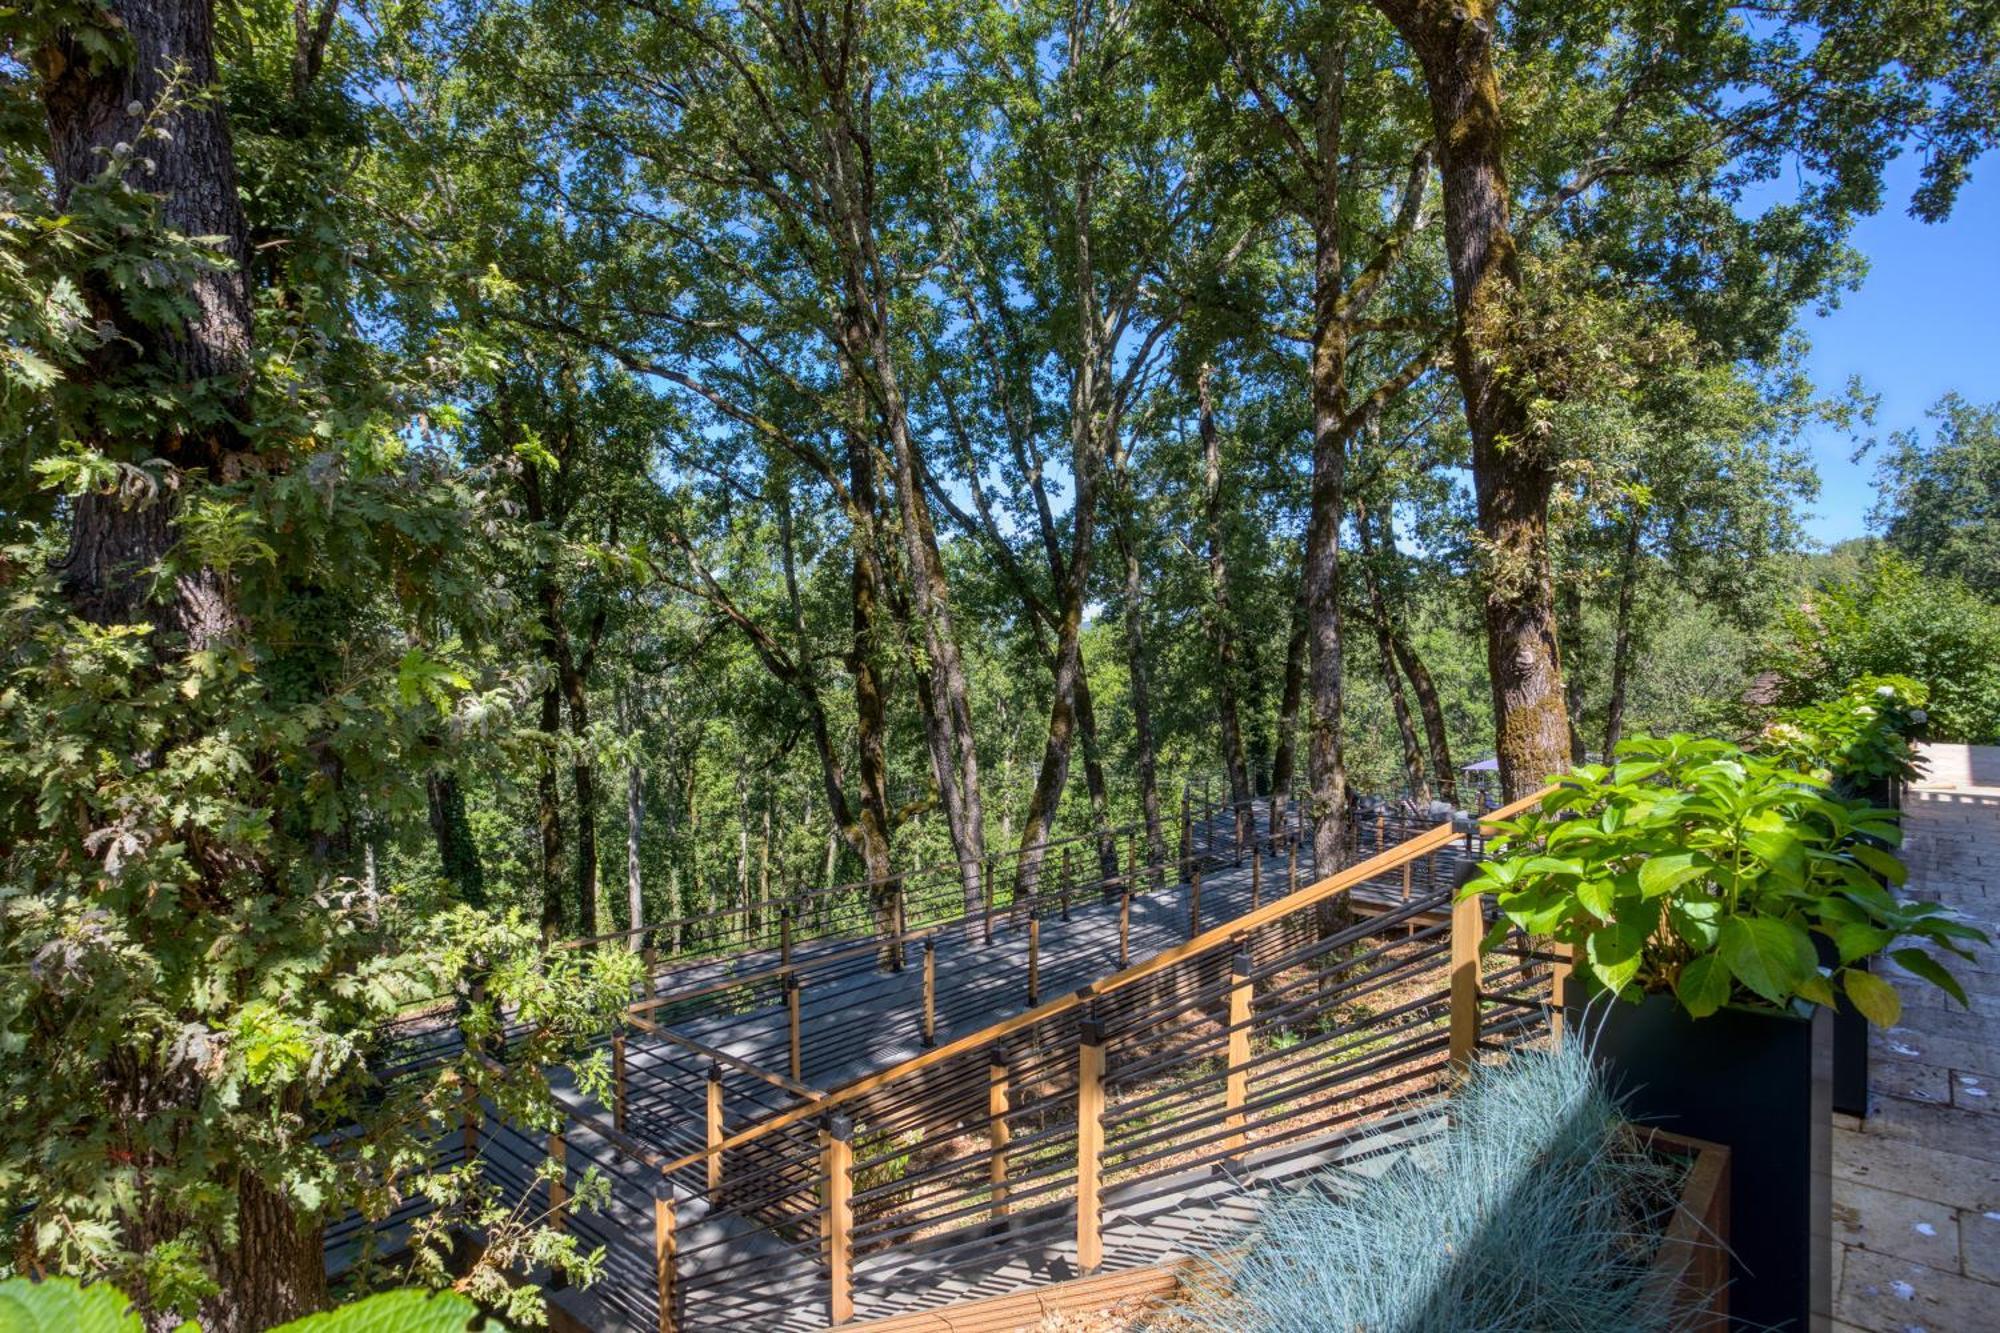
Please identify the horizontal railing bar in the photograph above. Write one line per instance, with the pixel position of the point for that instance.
(1222, 935)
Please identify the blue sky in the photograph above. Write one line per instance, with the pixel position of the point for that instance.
(1921, 325)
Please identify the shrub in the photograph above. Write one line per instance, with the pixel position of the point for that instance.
(1698, 868)
(1858, 740)
(1537, 1212)
(1890, 619)
(63, 1305)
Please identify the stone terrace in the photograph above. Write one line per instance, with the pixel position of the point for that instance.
(1916, 1196)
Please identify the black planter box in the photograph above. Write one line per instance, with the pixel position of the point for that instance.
(1761, 1083)
(1850, 1042)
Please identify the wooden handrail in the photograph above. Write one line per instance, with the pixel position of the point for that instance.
(935, 868)
(1222, 935)
(722, 1057)
(873, 944)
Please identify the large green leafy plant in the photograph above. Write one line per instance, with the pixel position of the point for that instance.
(1697, 868)
(1858, 740)
(62, 1305)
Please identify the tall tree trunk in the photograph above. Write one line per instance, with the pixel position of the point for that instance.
(1284, 761)
(99, 77)
(1621, 643)
(635, 821)
(866, 825)
(548, 814)
(583, 780)
(743, 849)
(1147, 757)
(946, 690)
(1378, 605)
(1085, 464)
(1326, 765)
(868, 350)
(1429, 707)
(1222, 630)
(458, 852)
(1093, 773)
(1570, 633)
(93, 104)
(1512, 477)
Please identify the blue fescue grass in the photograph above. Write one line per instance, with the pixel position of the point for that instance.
(1532, 1213)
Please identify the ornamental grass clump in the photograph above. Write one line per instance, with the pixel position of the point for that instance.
(1533, 1209)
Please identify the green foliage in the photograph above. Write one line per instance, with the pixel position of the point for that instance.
(1938, 503)
(1888, 618)
(62, 1305)
(1858, 740)
(1695, 867)
(1531, 1209)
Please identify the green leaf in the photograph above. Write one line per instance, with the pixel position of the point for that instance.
(1703, 985)
(1886, 864)
(60, 1305)
(1875, 998)
(1861, 941)
(407, 1311)
(1769, 956)
(1596, 896)
(1694, 920)
(1663, 874)
(1919, 963)
(1819, 990)
(1615, 952)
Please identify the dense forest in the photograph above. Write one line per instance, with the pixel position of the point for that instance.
(480, 473)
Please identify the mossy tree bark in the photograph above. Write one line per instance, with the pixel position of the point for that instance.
(1512, 477)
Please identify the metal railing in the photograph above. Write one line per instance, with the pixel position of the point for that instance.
(1244, 1049)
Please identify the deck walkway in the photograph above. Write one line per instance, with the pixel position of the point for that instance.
(865, 1020)
(1917, 1184)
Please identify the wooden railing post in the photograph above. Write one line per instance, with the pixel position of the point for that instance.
(1187, 836)
(1237, 1086)
(1256, 881)
(618, 1081)
(1559, 983)
(902, 942)
(1132, 860)
(666, 1256)
(997, 1132)
(1034, 955)
(558, 1182)
(837, 1154)
(930, 993)
(986, 876)
(1468, 924)
(1291, 865)
(1194, 903)
(785, 935)
(714, 1134)
(651, 953)
(1125, 928)
(1089, 1145)
(793, 987)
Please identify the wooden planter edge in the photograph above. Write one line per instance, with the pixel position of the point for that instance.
(1691, 1267)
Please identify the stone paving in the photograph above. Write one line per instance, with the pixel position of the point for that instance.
(1916, 1196)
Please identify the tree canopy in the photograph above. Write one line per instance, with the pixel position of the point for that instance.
(474, 476)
